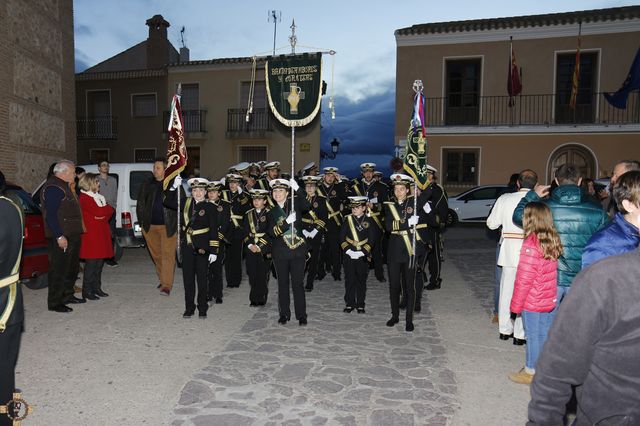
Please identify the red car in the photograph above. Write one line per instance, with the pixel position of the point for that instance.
(35, 261)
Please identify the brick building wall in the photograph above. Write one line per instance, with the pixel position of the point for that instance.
(37, 104)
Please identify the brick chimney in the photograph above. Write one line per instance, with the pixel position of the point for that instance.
(157, 43)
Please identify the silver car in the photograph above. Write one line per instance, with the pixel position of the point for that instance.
(473, 205)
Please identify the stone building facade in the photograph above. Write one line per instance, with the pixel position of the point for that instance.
(37, 105)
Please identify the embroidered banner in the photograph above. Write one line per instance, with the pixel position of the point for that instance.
(176, 149)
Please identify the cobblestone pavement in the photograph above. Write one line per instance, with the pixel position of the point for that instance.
(342, 369)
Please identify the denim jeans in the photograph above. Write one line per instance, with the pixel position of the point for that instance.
(562, 293)
(536, 327)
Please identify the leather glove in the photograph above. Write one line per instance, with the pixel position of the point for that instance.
(427, 207)
(212, 258)
(413, 220)
(313, 233)
(291, 218)
(294, 184)
(177, 181)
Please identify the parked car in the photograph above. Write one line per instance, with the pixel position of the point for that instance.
(35, 263)
(129, 177)
(473, 205)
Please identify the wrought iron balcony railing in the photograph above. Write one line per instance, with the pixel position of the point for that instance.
(101, 127)
(529, 110)
(195, 120)
(259, 123)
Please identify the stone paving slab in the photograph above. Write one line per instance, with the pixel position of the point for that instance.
(347, 369)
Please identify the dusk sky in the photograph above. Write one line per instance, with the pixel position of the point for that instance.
(362, 34)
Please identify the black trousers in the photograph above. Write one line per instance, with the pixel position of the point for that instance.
(194, 267)
(258, 271)
(214, 277)
(355, 281)
(376, 257)
(92, 279)
(330, 252)
(233, 260)
(290, 272)
(9, 349)
(434, 258)
(313, 264)
(399, 272)
(63, 270)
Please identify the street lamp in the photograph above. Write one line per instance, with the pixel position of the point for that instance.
(335, 144)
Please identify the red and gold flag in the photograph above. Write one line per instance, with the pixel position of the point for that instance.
(176, 149)
(514, 84)
(575, 78)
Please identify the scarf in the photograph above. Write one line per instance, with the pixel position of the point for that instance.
(99, 199)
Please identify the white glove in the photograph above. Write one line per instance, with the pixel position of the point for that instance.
(291, 218)
(212, 258)
(313, 233)
(306, 233)
(294, 184)
(239, 189)
(177, 181)
(350, 253)
(358, 254)
(427, 207)
(374, 200)
(413, 220)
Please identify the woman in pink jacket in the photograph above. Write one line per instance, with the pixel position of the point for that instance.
(536, 287)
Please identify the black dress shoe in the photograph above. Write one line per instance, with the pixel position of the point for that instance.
(75, 300)
(302, 321)
(320, 277)
(218, 300)
(432, 286)
(209, 298)
(253, 304)
(348, 309)
(202, 315)
(187, 314)
(505, 336)
(381, 279)
(101, 293)
(90, 297)
(519, 342)
(409, 326)
(417, 308)
(61, 308)
(393, 321)
(283, 320)
(308, 288)
(336, 277)
(361, 310)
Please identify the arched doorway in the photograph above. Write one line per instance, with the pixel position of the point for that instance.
(577, 155)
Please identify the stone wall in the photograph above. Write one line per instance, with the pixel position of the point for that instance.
(37, 104)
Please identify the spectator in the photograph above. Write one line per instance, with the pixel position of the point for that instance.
(536, 287)
(619, 169)
(593, 345)
(511, 241)
(589, 189)
(109, 190)
(62, 227)
(575, 218)
(95, 244)
(623, 233)
(159, 225)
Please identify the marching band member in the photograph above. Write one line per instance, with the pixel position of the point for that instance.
(357, 236)
(240, 203)
(335, 193)
(289, 250)
(223, 211)
(257, 248)
(314, 224)
(272, 170)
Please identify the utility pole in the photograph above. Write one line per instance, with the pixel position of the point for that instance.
(275, 16)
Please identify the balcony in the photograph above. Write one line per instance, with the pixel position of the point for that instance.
(529, 110)
(97, 128)
(195, 121)
(256, 128)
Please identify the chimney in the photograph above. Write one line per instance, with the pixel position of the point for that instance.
(184, 54)
(157, 43)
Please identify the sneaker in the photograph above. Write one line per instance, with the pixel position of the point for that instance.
(112, 263)
(521, 377)
(165, 291)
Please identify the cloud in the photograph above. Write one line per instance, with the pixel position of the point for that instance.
(82, 61)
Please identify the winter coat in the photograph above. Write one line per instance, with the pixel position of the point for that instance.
(536, 285)
(95, 243)
(576, 220)
(618, 237)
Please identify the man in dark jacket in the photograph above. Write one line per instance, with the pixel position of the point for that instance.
(593, 345)
(159, 225)
(11, 310)
(576, 219)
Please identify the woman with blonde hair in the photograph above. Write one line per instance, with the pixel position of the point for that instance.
(535, 291)
(95, 245)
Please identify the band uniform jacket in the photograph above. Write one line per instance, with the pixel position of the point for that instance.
(401, 234)
(279, 229)
(358, 234)
(377, 193)
(223, 213)
(240, 203)
(316, 216)
(512, 235)
(11, 307)
(335, 195)
(200, 227)
(436, 218)
(256, 227)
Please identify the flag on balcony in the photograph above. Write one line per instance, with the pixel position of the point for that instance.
(415, 159)
(575, 78)
(176, 149)
(631, 83)
(514, 84)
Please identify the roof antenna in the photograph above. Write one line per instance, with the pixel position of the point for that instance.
(182, 36)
